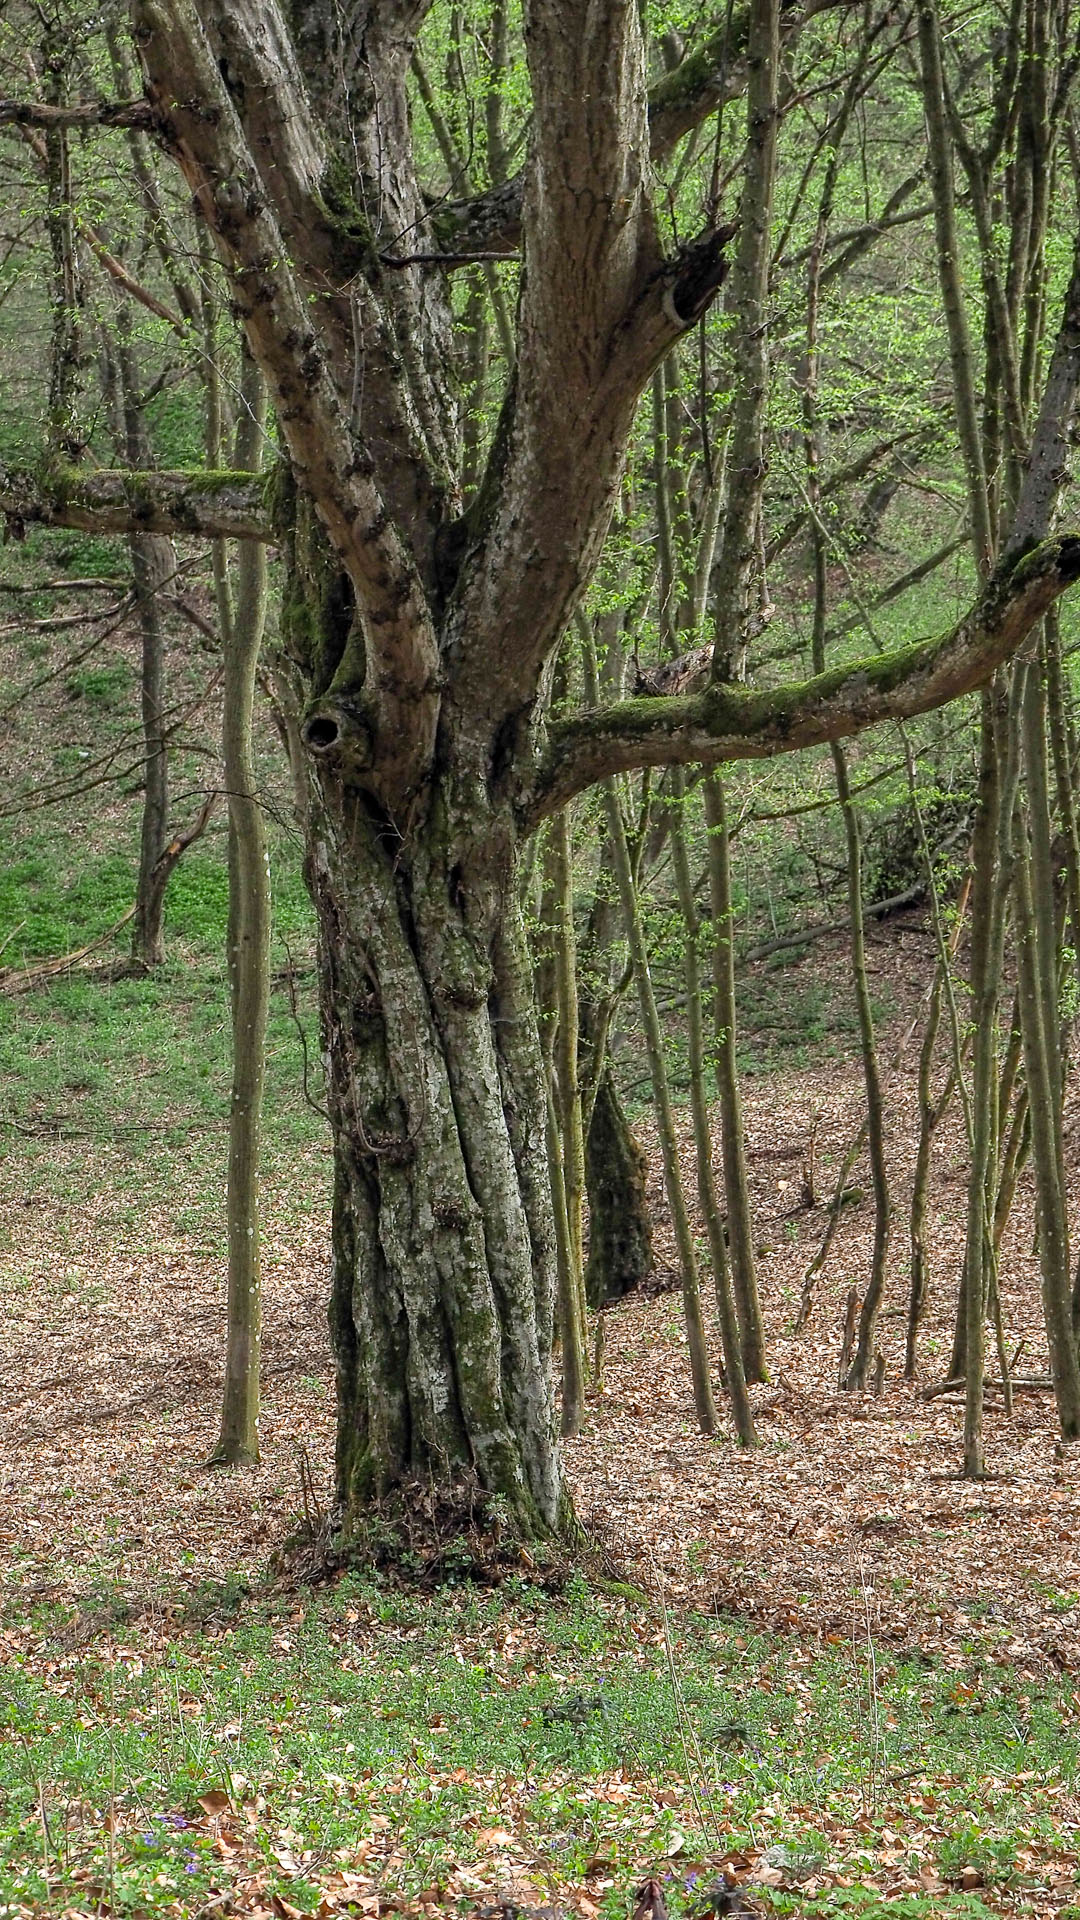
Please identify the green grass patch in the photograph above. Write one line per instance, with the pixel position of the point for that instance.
(145, 1063)
(443, 1745)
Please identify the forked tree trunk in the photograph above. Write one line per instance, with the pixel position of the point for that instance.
(443, 1262)
(421, 661)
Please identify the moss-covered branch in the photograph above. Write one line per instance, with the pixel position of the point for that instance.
(78, 113)
(712, 74)
(730, 722)
(211, 504)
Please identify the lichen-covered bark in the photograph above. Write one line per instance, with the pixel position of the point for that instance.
(443, 1248)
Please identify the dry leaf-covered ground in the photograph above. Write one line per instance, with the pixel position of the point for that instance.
(110, 1378)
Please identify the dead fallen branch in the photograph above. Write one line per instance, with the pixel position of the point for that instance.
(24, 979)
(1023, 1382)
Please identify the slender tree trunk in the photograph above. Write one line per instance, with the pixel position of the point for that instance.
(249, 970)
(875, 1106)
(930, 1112)
(568, 1308)
(865, 1348)
(997, 788)
(747, 469)
(153, 565)
(1013, 1158)
(1038, 982)
(948, 258)
(567, 1040)
(699, 1106)
(729, 1087)
(558, 1011)
(65, 346)
(665, 1118)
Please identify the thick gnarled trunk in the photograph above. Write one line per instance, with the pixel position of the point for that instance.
(443, 1246)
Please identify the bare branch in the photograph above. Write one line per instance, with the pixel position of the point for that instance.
(78, 113)
(230, 506)
(118, 272)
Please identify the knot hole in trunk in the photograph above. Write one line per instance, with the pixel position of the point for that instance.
(322, 732)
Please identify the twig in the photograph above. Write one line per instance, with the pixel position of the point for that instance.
(290, 986)
(836, 1205)
(21, 979)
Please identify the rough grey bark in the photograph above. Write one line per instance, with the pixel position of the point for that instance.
(443, 1275)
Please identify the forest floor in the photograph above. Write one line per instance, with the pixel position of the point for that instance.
(854, 1684)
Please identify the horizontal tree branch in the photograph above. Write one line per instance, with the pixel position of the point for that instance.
(79, 113)
(213, 505)
(729, 722)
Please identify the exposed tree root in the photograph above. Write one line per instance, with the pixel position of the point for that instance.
(427, 1535)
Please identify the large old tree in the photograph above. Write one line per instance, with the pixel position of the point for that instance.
(417, 635)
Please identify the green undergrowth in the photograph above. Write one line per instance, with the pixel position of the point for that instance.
(142, 1064)
(138, 1067)
(435, 1749)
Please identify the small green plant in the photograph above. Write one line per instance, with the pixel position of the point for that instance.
(104, 686)
(968, 1847)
